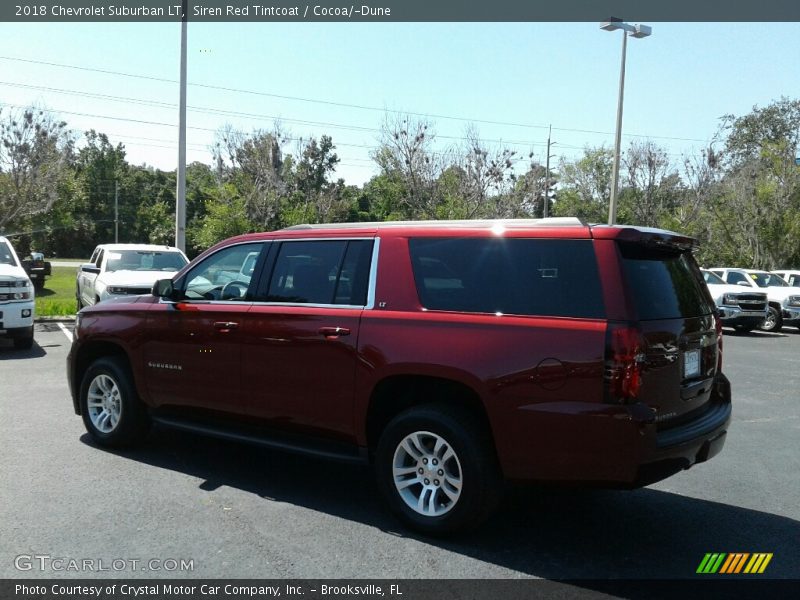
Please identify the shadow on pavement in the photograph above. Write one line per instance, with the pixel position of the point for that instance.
(552, 533)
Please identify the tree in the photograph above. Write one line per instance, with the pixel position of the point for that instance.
(585, 186)
(34, 150)
(254, 165)
(406, 155)
(653, 185)
(762, 184)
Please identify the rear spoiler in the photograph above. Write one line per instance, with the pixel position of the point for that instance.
(648, 236)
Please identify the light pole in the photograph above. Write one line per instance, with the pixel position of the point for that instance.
(180, 192)
(637, 31)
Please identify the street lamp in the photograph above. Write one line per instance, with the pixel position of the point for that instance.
(637, 31)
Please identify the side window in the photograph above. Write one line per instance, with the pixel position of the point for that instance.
(323, 272)
(734, 277)
(225, 275)
(353, 281)
(99, 260)
(510, 276)
(94, 255)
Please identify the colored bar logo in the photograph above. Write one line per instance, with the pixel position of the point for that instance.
(734, 563)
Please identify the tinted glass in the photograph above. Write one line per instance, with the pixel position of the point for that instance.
(225, 275)
(323, 272)
(664, 284)
(510, 276)
(353, 282)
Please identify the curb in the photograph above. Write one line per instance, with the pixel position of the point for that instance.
(58, 319)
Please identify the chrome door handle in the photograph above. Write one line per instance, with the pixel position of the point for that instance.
(332, 332)
(225, 326)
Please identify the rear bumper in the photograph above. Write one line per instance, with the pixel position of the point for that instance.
(615, 446)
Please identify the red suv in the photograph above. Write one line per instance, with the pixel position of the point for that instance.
(450, 355)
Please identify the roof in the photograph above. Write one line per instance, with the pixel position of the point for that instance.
(462, 223)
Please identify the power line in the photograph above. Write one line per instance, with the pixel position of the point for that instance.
(341, 104)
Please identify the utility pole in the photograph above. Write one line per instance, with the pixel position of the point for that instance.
(545, 204)
(180, 196)
(116, 211)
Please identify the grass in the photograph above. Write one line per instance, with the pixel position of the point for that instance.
(58, 296)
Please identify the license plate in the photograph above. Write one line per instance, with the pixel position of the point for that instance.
(691, 364)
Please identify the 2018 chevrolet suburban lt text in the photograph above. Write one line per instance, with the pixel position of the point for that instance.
(452, 355)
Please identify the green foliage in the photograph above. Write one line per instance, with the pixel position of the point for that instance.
(740, 196)
(58, 296)
(226, 216)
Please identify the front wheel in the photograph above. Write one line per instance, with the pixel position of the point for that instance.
(112, 412)
(774, 320)
(24, 343)
(437, 469)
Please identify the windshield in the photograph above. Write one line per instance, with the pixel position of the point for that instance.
(712, 278)
(6, 255)
(144, 260)
(763, 279)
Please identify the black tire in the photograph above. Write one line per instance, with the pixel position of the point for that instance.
(110, 382)
(475, 464)
(24, 343)
(774, 321)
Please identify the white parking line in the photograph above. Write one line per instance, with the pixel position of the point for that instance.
(66, 331)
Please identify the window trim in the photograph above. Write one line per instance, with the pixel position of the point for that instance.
(257, 274)
(372, 281)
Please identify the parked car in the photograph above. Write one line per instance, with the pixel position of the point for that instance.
(37, 268)
(738, 308)
(451, 355)
(17, 305)
(116, 270)
(789, 276)
(784, 301)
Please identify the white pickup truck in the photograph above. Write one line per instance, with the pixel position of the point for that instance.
(784, 300)
(116, 270)
(738, 307)
(16, 298)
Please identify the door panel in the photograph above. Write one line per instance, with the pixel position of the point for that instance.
(193, 355)
(193, 349)
(299, 367)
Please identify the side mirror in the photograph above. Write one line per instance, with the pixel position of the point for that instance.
(163, 288)
(90, 268)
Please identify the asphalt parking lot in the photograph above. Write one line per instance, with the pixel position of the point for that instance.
(235, 511)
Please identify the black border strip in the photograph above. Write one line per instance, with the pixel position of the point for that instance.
(399, 10)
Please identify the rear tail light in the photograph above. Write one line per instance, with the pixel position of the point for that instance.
(624, 360)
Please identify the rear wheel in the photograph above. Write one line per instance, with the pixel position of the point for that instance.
(437, 470)
(774, 320)
(112, 411)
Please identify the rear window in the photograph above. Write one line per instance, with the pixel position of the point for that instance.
(665, 284)
(556, 278)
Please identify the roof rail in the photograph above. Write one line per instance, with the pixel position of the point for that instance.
(481, 223)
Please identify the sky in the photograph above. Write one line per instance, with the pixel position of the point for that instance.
(509, 80)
